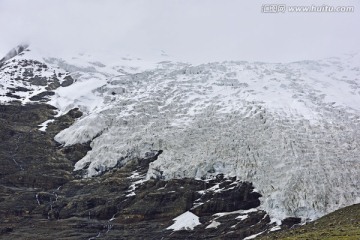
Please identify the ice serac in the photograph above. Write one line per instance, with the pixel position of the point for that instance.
(291, 129)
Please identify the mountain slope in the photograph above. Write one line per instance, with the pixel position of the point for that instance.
(290, 129)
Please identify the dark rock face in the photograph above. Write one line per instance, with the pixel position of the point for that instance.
(38, 81)
(234, 196)
(30, 157)
(42, 198)
(19, 89)
(42, 96)
(8, 94)
(54, 84)
(68, 80)
(290, 221)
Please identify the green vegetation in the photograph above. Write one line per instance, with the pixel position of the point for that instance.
(342, 224)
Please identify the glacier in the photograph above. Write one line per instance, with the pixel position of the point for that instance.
(292, 129)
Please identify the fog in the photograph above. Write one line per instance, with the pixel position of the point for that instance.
(191, 30)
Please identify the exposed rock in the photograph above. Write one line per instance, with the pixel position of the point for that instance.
(12, 95)
(19, 89)
(54, 84)
(68, 80)
(232, 196)
(38, 81)
(42, 96)
(290, 221)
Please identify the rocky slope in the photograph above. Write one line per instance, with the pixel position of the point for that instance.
(42, 198)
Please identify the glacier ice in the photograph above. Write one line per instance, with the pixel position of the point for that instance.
(286, 128)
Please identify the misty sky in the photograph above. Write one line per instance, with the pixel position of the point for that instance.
(192, 30)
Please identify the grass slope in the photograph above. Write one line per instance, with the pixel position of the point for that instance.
(341, 224)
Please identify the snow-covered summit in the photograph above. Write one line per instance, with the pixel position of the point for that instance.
(14, 52)
(292, 129)
(26, 78)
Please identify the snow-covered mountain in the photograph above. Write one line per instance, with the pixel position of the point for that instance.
(292, 129)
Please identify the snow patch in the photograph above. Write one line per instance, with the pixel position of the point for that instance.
(43, 126)
(213, 224)
(236, 212)
(186, 221)
(242, 217)
(276, 228)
